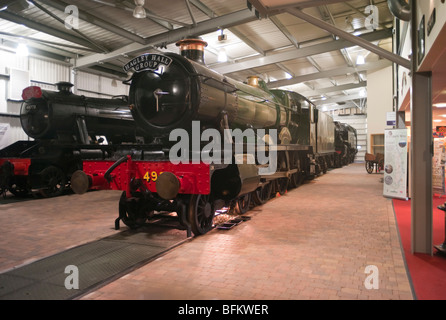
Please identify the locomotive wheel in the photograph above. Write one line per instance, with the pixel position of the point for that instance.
(262, 194)
(297, 178)
(132, 212)
(282, 185)
(369, 167)
(243, 203)
(201, 214)
(294, 180)
(18, 190)
(54, 181)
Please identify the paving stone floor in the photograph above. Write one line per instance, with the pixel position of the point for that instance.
(315, 242)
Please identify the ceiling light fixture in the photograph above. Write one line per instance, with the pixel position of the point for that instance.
(440, 105)
(222, 56)
(222, 36)
(139, 11)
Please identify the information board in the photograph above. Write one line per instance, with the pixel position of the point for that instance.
(438, 163)
(395, 164)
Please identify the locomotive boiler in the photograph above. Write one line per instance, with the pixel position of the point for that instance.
(171, 92)
(66, 129)
(66, 117)
(185, 90)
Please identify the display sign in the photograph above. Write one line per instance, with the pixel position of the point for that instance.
(395, 164)
(438, 164)
(391, 118)
(147, 62)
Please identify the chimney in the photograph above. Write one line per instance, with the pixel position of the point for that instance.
(193, 49)
(64, 87)
(253, 81)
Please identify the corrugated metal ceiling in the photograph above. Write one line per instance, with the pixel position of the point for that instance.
(108, 27)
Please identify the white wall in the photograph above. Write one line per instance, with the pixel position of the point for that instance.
(379, 101)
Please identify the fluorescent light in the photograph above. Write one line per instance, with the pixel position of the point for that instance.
(440, 105)
(222, 56)
(288, 76)
(22, 50)
(360, 60)
(438, 120)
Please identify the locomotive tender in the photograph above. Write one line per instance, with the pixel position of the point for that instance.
(67, 129)
(171, 92)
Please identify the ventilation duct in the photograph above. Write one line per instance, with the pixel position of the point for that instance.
(400, 9)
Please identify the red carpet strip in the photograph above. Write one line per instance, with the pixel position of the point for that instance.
(428, 273)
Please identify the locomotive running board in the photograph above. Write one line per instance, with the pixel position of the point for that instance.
(279, 174)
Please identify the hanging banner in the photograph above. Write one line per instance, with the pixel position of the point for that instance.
(395, 164)
(438, 164)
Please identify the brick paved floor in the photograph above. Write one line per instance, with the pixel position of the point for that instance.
(313, 243)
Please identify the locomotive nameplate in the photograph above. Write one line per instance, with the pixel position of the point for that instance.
(147, 61)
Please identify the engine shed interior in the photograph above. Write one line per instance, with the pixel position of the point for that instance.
(160, 143)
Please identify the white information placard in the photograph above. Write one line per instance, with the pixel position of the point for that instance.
(438, 163)
(395, 164)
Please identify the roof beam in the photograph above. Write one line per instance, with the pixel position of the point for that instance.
(344, 87)
(300, 53)
(83, 15)
(211, 25)
(54, 16)
(36, 49)
(45, 29)
(50, 43)
(331, 73)
(347, 36)
(319, 103)
(264, 10)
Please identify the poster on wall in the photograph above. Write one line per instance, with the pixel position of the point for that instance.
(395, 164)
(5, 135)
(438, 164)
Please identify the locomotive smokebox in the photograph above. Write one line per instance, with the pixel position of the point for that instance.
(193, 49)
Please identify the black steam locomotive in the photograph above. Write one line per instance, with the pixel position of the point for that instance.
(66, 129)
(220, 142)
